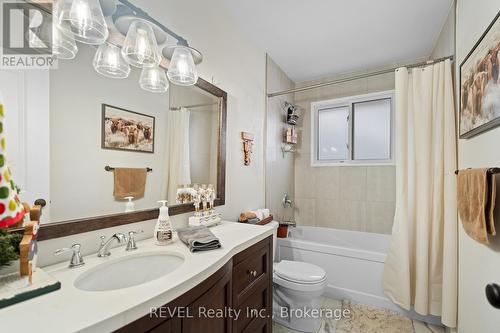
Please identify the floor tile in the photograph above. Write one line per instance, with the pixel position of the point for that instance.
(330, 303)
(277, 328)
(420, 327)
(328, 325)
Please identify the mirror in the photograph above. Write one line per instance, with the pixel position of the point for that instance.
(68, 129)
(193, 131)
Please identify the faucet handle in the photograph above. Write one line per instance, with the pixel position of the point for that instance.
(76, 258)
(131, 245)
(103, 239)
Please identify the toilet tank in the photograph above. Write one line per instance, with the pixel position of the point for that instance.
(275, 225)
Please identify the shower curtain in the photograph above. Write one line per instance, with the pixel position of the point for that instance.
(178, 170)
(421, 266)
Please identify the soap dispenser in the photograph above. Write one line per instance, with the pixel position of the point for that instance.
(163, 229)
(130, 205)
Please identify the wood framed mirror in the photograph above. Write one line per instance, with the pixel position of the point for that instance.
(80, 194)
(56, 127)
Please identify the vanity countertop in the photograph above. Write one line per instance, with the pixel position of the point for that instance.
(70, 309)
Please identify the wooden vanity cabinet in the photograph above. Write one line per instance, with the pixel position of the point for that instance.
(242, 284)
(252, 288)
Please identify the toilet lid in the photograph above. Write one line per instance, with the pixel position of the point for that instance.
(301, 272)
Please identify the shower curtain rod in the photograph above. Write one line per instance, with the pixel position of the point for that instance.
(177, 108)
(357, 77)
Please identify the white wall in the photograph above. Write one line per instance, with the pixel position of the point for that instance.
(237, 66)
(478, 264)
(445, 44)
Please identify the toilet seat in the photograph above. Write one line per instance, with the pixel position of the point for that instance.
(299, 272)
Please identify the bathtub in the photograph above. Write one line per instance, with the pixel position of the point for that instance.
(353, 261)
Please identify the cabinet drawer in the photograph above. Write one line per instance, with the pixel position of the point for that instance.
(258, 325)
(251, 271)
(254, 307)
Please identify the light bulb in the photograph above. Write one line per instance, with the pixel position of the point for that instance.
(80, 15)
(182, 70)
(109, 62)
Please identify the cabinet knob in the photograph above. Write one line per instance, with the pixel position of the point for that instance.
(253, 273)
(493, 294)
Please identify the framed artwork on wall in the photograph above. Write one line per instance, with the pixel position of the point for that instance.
(127, 130)
(480, 84)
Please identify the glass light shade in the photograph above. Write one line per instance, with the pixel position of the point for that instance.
(63, 44)
(85, 18)
(109, 62)
(153, 79)
(50, 34)
(140, 48)
(182, 70)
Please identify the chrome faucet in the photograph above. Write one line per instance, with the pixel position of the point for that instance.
(76, 257)
(104, 248)
(131, 245)
(287, 202)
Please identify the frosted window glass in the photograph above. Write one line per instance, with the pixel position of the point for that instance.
(372, 130)
(333, 136)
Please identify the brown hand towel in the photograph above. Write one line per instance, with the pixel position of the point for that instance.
(476, 191)
(129, 182)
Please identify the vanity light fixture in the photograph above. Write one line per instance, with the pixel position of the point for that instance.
(140, 48)
(109, 62)
(131, 28)
(182, 69)
(153, 79)
(85, 18)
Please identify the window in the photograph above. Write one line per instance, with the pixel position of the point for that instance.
(353, 130)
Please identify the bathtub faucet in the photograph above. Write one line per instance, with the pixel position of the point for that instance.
(287, 202)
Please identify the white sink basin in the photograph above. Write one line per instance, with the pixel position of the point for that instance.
(129, 271)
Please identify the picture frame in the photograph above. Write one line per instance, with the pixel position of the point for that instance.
(479, 100)
(127, 130)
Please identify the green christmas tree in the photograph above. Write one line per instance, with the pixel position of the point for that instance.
(9, 246)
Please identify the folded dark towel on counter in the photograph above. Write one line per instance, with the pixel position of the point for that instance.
(253, 221)
(198, 238)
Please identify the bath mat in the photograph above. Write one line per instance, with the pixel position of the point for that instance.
(365, 319)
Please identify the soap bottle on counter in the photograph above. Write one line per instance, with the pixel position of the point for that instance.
(130, 205)
(163, 229)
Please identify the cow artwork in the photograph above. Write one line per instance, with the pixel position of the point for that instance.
(127, 130)
(480, 84)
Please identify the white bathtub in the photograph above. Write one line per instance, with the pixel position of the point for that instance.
(353, 261)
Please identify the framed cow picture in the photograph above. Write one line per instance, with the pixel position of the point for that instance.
(127, 130)
(480, 84)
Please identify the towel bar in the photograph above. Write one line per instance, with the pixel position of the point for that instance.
(491, 171)
(108, 168)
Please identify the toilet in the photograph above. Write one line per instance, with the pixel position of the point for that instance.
(297, 289)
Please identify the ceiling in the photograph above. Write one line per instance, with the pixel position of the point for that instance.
(309, 39)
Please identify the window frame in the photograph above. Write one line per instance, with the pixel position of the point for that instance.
(349, 101)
